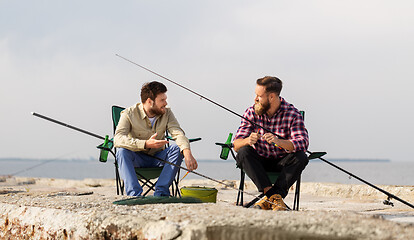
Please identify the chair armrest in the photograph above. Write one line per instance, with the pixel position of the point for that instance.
(108, 146)
(315, 155)
(194, 139)
(191, 139)
(225, 145)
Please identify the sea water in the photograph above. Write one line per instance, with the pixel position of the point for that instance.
(375, 172)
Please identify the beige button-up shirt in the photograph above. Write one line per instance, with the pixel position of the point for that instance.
(134, 128)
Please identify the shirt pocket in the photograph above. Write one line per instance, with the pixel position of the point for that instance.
(142, 134)
(161, 134)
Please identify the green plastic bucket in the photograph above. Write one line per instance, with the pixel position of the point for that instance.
(205, 194)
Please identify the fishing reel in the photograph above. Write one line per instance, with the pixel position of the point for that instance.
(388, 202)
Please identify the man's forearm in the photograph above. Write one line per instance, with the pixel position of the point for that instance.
(239, 143)
(285, 144)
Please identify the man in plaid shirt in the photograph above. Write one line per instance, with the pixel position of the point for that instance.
(259, 151)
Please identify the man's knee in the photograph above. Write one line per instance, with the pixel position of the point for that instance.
(123, 153)
(174, 152)
(174, 148)
(244, 154)
(301, 158)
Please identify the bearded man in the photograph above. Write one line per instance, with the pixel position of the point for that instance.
(259, 151)
(141, 129)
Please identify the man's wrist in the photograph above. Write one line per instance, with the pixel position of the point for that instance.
(185, 151)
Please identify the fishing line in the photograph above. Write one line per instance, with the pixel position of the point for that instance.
(32, 167)
(41, 164)
(201, 96)
(389, 195)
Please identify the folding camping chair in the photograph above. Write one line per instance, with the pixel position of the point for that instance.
(145, 175)
(272, 175)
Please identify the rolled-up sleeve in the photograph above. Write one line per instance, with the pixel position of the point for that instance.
(245, 127)
(299, 135)
(176, 132)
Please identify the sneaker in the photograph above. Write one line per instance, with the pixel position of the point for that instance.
(263, 204)
(278, 204)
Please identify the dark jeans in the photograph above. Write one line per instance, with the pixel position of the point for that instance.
(256, 166)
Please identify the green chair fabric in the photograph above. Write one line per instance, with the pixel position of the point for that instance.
(148, 173)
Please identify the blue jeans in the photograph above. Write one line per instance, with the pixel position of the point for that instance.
(128, 160)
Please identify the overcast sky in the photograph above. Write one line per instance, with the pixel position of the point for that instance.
(348, 64)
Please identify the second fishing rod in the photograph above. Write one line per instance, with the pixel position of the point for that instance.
(389, 195)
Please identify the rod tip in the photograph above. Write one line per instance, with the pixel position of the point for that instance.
(32, 113)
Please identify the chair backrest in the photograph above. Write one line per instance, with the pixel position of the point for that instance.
(116, 115)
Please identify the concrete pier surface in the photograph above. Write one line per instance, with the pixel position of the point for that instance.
(40, 208)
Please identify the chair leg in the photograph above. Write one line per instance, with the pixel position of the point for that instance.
(176, 182)
(239, 201)
(297, 193)
(173, 189)
(117, 180)
(119, 183)
(147, 183)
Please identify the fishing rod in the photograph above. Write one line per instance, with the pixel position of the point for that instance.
(159, 159)
(389, 195)
(67, 125)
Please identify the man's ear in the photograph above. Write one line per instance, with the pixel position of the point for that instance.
(272, 96)
(149, 101)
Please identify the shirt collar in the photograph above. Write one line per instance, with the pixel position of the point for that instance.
(141, 111)
(282, 108)
(283, 105)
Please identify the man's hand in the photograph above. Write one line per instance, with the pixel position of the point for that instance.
(249, 141)
(252, 139)
(270, 138)
(154, 143)
(190, 161)
(280, 143)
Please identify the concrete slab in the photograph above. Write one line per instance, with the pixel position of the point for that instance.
(69, 209)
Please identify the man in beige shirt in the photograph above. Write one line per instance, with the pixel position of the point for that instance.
(142, 128)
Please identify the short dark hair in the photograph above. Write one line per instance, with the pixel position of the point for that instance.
(151, 90)
(271, 84)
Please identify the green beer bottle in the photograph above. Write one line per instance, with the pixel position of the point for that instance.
(225, 150)
(103, 156)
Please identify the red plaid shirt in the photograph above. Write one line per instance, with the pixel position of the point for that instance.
(287, 122)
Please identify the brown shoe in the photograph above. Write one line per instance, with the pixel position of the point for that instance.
(278, 204)
(263, 204)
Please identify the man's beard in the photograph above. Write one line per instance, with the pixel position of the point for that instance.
(156, 110)
(261, 108)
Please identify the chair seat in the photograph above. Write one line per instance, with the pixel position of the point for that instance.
(148, 173)
(273, 176)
